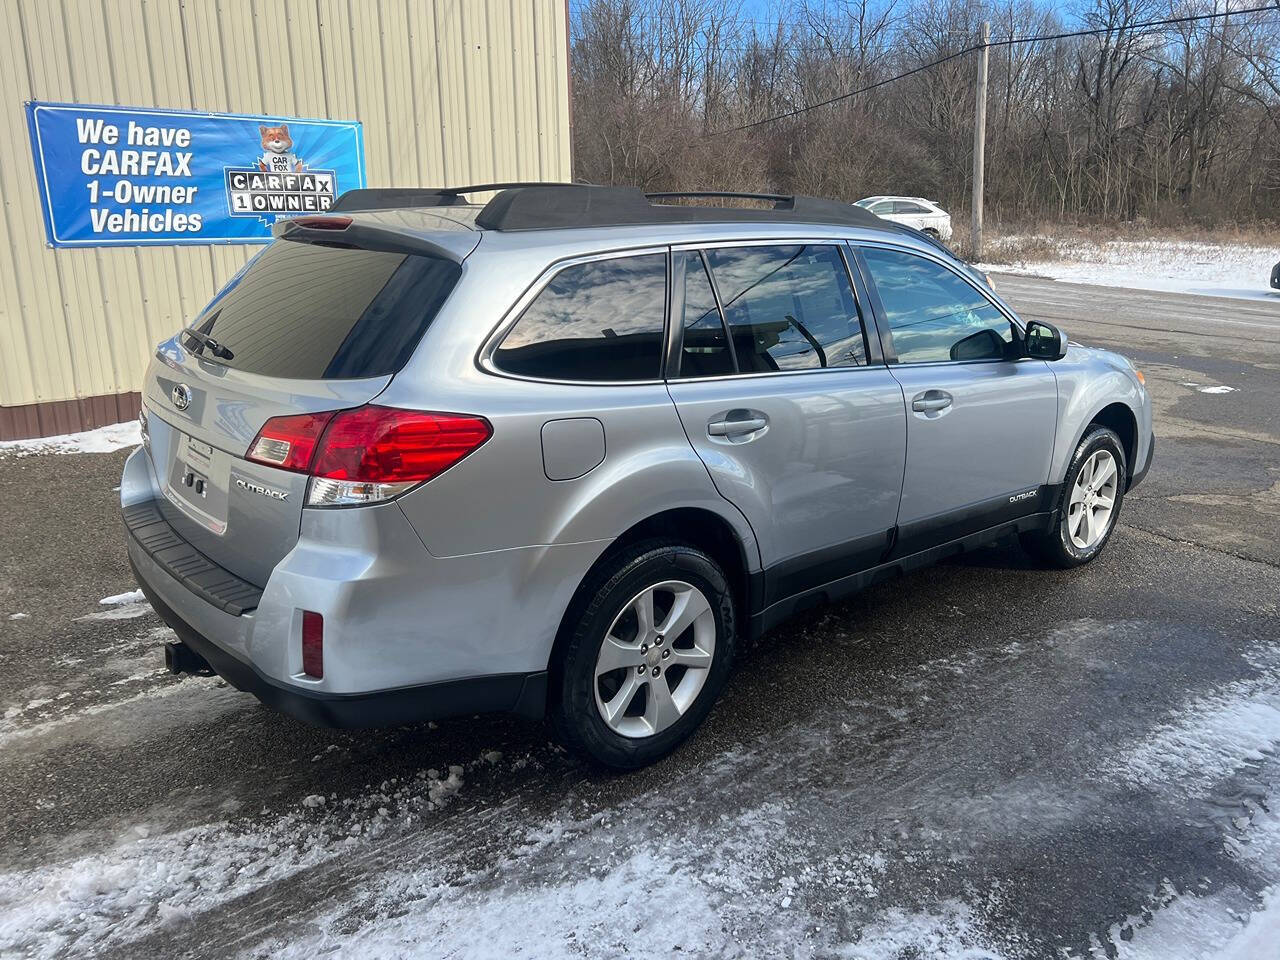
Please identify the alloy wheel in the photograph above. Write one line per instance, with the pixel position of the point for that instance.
(1093, 500)
(655, 659)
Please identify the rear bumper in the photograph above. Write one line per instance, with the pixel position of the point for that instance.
(523, 693)
(407, 635)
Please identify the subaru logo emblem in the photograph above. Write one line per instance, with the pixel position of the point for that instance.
(181, 396)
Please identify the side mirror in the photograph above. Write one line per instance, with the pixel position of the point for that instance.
(1044, 341)
(986, 344)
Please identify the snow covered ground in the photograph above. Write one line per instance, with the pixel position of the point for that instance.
(117, 436)
(878, 831)
(1212, 269)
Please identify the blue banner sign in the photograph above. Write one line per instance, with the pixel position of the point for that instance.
(124, 176)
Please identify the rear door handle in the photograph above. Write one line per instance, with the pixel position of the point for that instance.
(931, 401)
(737, 423)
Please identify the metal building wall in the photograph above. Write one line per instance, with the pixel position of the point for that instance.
(449, 91)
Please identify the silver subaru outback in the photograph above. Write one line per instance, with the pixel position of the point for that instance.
(559, 453)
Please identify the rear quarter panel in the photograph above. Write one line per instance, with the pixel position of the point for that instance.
(500, 497)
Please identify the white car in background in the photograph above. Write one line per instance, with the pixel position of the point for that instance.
(924, 215)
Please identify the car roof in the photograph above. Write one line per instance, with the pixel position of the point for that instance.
(575, 220)
(558, 206)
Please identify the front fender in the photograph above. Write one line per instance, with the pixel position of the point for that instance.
(1089, 381)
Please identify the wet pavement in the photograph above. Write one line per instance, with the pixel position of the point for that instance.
(983, 759)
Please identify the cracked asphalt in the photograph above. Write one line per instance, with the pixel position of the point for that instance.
(984, 759)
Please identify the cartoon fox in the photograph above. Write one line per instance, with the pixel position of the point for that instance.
(277, 146)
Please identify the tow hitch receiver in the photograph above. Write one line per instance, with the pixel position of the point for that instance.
(180, 659)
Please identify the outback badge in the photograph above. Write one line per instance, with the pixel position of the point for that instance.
(260, 490)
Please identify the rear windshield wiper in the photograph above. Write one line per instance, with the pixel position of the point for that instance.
(210, 344)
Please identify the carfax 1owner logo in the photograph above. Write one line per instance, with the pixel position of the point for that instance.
(128, 176)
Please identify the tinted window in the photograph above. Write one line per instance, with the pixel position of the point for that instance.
(704, 349)
(788, 308)
(934, 314)
(325, 313)
(884, 206)
(601, 320)
(905, 206)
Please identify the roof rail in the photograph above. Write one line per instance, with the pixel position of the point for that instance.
(396, 198)
(566, 205)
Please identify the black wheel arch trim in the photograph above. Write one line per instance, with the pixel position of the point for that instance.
(1137, 443)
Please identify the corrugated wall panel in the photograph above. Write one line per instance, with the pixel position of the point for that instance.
(449, 91)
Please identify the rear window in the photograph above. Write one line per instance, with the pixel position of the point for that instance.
(325, 313)
(788, 307)
(602, 320)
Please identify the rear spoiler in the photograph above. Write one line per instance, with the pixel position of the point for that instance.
(330, 230)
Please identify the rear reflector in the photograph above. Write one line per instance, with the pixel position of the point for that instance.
(367, 454)
(312, 644)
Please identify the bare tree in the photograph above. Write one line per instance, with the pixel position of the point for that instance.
(1177, 121)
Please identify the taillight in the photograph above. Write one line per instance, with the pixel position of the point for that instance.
(369, 453)
(289, 442)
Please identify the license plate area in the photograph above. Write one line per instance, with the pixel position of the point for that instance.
(197, 482)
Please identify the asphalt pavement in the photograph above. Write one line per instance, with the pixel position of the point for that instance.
(984, 759)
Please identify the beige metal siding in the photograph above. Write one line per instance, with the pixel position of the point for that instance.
(449, 91)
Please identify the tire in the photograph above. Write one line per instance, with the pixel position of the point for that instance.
(931, 232)
(1067, 545)
(609, 607)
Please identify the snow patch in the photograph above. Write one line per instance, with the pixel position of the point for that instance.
(18, 616)
(78, 907)
(123, 606)
(1173, 266)
(118, 436)
(1218, 389)
(83, 906)
(1207, 741)
(118, 723)
(675, 916)
(125, 611)
(1193, 927)
(949, 934)
(1261, 934)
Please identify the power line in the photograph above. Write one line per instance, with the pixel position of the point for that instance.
(1008, 41)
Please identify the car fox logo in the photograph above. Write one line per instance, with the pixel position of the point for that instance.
(277, 150)
(262, 491)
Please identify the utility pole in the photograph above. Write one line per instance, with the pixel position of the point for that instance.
(979, 140)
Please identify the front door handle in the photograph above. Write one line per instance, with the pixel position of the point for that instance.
(931, 401)
(737, 423)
